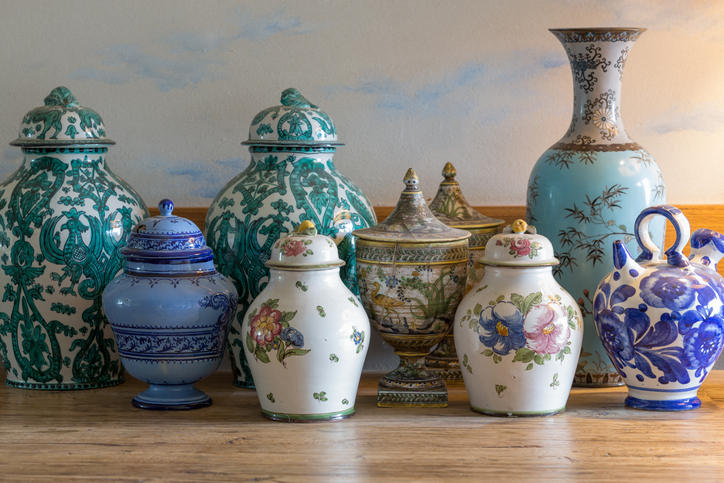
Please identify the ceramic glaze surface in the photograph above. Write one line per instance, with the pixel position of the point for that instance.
(306, 334)
(411, 271)
(291, 178)
(662, 322)
(518, 334)
(450, 207)
(170, 311)
(587, 189)
(63, 217)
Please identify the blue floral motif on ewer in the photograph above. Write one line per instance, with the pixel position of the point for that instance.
(702, 345)
(668, 287)
(501, 328)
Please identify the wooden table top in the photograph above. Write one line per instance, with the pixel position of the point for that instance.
(97, 435)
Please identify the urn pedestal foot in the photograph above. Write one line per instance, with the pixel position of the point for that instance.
(171, 398)
(444, 362)
(411, 385)
(597, 379)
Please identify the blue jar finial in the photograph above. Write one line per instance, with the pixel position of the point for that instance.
(165, 207)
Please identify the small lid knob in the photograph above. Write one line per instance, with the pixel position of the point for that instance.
(165, 206)
(411, 181)
(449, 172)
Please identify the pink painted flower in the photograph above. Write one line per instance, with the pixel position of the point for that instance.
(520, 246)
(292, 248)
(546, 328)
(265, 325)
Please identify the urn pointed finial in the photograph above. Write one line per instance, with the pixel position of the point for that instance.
(411, 181)
(306, 228)
(449, 172)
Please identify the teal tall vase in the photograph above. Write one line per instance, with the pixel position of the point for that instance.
(587, 190)
(63, 218)
(291, 178)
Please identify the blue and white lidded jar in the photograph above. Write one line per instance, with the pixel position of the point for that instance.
(170, 311)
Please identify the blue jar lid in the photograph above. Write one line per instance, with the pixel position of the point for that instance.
(166, 238)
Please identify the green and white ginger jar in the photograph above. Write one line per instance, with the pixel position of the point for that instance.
(291, 178)
(587, 190)
(63, 218)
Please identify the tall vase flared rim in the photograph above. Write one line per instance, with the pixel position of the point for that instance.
(606, 34)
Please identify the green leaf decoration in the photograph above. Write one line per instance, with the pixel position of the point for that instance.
(260, 354)
(321, 311)
(287, 316)
(518, 301)
(478, 308)
(567, 350)
(488, 352)
(538, 359)
(622, 227)
(499, 388)
(270, 397)
(497, 358)
(529, 367)
(524, 355)
(345, 401)
(470, 369)
(473, 323)
(301, 286)
(531, 301)
(333, 358)
(465, 359)
(500, 299)
(249, 342)
(280, 352)
(296, 352)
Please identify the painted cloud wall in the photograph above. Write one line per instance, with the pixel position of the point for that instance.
(409, 83)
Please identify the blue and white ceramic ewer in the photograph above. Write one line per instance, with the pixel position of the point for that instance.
(661, 321)
(170, 311)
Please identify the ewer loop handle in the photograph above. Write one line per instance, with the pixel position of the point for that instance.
(674, 255)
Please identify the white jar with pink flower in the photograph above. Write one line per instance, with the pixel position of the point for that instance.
(306, 334)
(518, 333)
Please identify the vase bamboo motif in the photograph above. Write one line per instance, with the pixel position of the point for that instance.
(411, 270)
(291, 178)
(450, 207)
(63, 218)
(587, 189)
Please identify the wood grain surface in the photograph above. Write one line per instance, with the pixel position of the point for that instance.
(97, 435)
(700, 216)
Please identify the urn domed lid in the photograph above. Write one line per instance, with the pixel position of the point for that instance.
(166, 237)
(412, 221)
(304, 249)
(519, 246)
(61, 122)
(451, 207)
(296, 122)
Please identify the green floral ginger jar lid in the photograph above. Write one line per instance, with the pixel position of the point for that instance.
(296, 121)
(61, 121)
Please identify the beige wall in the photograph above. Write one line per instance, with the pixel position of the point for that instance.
(408, 83)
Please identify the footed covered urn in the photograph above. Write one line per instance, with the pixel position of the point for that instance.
(412, 270)
(451, 207)
(291, 178)
(63, 218)
(170, 311)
